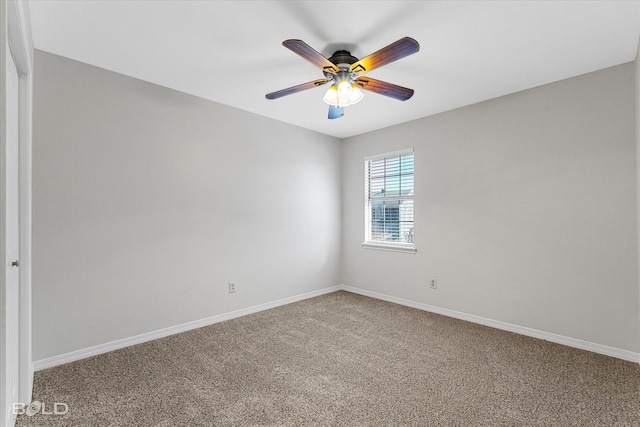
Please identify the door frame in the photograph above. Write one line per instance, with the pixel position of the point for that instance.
(17, 34)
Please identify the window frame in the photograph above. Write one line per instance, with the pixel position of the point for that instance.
(377, 244)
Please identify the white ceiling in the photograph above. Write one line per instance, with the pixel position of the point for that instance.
(231, 52)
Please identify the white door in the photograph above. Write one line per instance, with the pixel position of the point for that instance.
(9, 324)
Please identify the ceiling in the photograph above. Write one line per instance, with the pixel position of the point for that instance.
(231, 51)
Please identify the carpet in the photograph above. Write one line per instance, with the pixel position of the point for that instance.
(341, 359)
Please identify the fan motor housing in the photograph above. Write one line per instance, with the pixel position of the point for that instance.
(343, 59)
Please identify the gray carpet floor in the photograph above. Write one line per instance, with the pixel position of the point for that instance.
(342, 360)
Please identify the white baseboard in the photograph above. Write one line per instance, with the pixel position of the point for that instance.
(547, 336)
(149, 336)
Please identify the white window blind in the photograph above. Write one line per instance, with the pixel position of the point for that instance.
(389, 201)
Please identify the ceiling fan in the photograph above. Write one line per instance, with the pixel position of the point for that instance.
(345, 73)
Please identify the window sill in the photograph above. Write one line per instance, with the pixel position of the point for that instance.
(409, 249)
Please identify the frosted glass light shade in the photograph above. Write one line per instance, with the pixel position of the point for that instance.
(331, 97)
(356, 95)
(344, 90)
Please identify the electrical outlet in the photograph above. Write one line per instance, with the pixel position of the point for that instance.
(433, 284)
(232, 287)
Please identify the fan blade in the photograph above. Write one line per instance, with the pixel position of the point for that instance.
(383, 88)
(311, 55)
(294, 89)
(397, 50)
(335, 112)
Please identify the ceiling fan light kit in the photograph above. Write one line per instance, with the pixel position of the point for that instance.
(344, 72)
(344, 94)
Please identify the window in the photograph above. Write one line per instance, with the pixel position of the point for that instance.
(389, 201)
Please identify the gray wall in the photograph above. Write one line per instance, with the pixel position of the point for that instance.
(525, 210)
(148, 201)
